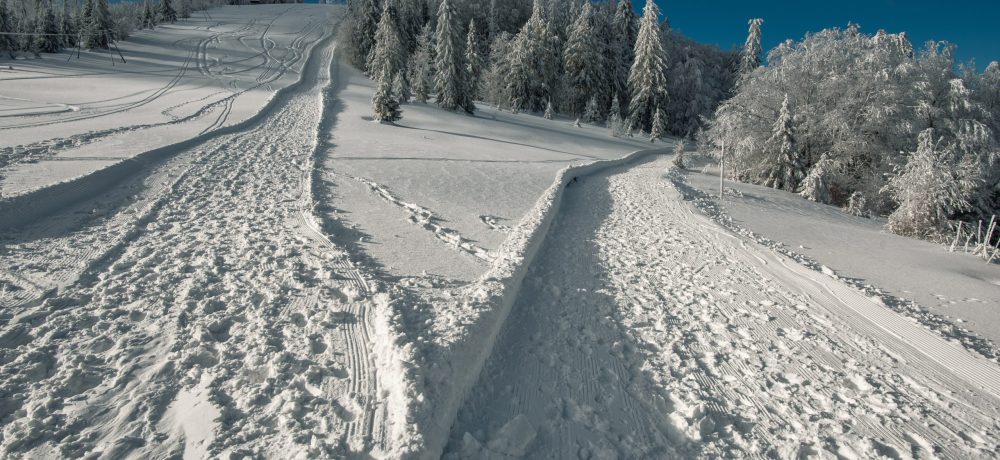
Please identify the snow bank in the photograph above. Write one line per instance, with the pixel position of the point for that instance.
(445, 378)
(19, 210)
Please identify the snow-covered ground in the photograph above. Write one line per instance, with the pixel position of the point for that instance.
(305, 283)
(62, 117)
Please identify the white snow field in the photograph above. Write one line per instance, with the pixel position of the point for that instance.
(63, 117)
(305, 283)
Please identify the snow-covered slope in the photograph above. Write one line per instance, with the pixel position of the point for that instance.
(64, 116)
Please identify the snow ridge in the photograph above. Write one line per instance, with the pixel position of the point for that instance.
(457, 366)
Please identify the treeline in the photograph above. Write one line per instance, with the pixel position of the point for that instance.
(32, 27)
(597, 62)
(868, 123)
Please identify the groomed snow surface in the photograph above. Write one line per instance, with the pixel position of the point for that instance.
(286, 279)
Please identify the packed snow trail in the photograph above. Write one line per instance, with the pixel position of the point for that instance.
(206, 315)
(644, 330)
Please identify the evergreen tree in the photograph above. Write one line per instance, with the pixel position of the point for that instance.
(492, 24)
(473, 62)
(364, 16)
(750, 56)
(46, 29)
(148, 20)
(7, 43)
(68, 26)
(592, 114)
(421, 69)
(98, 32)
(788, 171)
(647, 78)
(387, 56)
(816, 186)
(166, 12)
(400, 91)
(184, 9)
(450, 81)
(548, 111)
(625, 30)
(616, 124)
(83, 23)
(385, 107)
(659, 127)
(533, 64)
(583, 61)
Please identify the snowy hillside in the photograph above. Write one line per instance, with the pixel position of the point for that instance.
(214, 251)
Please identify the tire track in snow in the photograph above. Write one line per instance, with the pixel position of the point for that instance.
(643, 330)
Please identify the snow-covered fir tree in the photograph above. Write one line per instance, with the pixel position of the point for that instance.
(816, 186)
(450, 81)
(533, 63)
(647, 78)
(400, 89)
(659, 128)
(548, 115)
(148, 20)
(583, 62)
(184, 9)
(788, 170)
(750, 56)
(593, 114)
(385, 107)
(473, 61)
(99, 26)
(166, 12)
(387, 57)
(421, 68)
(46, 29)
(625, 30)
(67, 27)
(364, 17)
(7, 43)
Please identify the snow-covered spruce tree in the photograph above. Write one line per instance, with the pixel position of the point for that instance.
(385, 107)
(926, 190)
(47, 38)
(363, 16)
(99, 26)
(473, 61)
(788, 170)
(750, 56)
(616, 124)
(534, 61)
(583, 62)
(387, 57)
(184, 9)
(450, 80)
(647, 78)
(66, 26)
(679, 155)
(421, 68)
(148, 20)
(625, 30)
(592, 114)
(7, 43)
(816, 186)
(548, 111)
(400, 91)
(658, 129)
(166, 12)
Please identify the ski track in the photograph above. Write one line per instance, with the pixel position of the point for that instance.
(207, 280)
(271, 69)
(645, 330)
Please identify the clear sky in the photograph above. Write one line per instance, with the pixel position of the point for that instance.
(972, 25)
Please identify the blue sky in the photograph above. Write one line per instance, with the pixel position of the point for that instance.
(971, 24)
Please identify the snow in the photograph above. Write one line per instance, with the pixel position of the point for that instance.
(65, 117)
(308, 283)
(952, 285)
